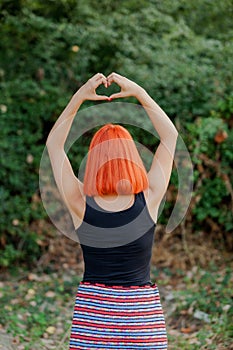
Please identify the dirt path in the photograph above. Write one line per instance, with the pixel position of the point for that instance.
(6, 341)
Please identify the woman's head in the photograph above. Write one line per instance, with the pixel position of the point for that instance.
(114, 165)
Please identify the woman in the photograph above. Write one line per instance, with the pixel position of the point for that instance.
(115, 213)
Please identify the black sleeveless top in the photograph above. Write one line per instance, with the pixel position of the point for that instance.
(117, 246)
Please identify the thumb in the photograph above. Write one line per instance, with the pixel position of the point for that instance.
(101, 97)
(117, 95)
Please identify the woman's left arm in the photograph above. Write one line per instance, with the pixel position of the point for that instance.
(69, 186)
(161, 167)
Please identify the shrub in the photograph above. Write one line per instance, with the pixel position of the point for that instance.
(49, 49)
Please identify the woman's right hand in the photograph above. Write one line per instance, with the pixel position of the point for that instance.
(88, 90)
(128, 87)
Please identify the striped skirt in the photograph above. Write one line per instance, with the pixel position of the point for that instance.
(116, 317)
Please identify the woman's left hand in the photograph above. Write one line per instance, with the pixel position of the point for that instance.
(128, 87)
(88, 90)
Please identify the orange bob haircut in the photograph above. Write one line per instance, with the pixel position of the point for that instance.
(114, 165)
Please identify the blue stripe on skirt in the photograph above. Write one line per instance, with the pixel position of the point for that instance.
(115, 317)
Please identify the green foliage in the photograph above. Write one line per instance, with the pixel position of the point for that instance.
(206, 18)
(206, 299)
(38, 305)
(210, 143)
(49, 49)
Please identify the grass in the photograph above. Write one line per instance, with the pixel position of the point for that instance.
(38, 313)
(203, 311)
(37, 308)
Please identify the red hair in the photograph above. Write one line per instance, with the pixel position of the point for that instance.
(114, 165)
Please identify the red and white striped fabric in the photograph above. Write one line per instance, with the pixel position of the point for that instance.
(117, 317)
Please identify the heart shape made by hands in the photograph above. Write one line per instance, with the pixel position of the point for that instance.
(107, 91)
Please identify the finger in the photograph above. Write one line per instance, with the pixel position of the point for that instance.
(114, 74)
(99, 76)
(101, 97)
(105, 82)
(95, 77)
(99, 81)
(117, 95)
(114, 79)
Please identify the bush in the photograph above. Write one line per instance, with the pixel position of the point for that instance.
(49, 49)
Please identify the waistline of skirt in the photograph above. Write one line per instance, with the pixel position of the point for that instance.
(118, 287)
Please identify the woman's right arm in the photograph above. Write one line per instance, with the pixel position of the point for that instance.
(69, 186)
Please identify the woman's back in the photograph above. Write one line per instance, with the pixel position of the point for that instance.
(117, 245)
